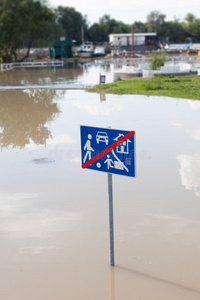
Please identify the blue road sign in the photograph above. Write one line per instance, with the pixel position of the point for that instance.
(108, 150)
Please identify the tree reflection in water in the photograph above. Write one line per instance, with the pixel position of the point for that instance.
(24, 115)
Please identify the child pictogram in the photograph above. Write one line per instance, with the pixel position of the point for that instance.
(108, 161)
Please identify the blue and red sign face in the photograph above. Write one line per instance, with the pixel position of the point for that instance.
(108, 150)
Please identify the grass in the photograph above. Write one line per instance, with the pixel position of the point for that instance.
(171, 86)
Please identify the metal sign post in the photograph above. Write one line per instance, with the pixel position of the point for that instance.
(111, 222)
(111, 151)
(133, 54)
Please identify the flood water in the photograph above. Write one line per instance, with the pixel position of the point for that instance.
(54, 229)
(76, 75)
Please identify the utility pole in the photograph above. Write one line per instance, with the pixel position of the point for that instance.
(133, 54)
(82, 34)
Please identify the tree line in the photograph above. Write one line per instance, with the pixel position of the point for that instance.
(32, 23)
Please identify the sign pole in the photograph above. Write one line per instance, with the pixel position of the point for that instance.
(111, 224)
(111, 151)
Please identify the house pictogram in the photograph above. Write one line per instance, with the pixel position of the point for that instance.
(124, 147)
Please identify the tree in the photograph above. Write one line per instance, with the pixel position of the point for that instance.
(139, 27)
(72, 21)
(100, 31)
(190, 18)
(174, 32)
(121, 28)
(192, 27)
(41, 19)
(95, 33)
(22, 21)
(155, 21)
(12, 16)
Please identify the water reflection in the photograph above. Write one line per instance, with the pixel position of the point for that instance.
(102, 96)
(195, 134)
(190, 172)
(112, 283)
(70, 74)
(24, 115)
(56, 214)
(195, 105)
(41, 76)
(153, 278)
(98, 109)
(36, 227)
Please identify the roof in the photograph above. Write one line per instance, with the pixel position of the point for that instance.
(135, 34)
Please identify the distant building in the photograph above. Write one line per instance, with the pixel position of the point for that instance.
(125, 39)
(61, 49)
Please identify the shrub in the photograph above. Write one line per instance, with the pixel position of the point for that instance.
(157, 59)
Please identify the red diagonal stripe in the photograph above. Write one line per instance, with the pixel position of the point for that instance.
(108, 149)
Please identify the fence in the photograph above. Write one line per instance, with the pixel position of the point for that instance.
(119, 62)
(7, 67)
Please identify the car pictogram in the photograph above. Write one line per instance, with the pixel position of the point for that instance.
(102, 137)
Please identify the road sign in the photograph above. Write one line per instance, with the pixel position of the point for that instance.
(108, 150)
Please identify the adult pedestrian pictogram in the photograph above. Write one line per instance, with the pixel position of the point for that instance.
(88, 148)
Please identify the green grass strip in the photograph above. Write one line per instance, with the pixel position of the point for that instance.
(187, 87)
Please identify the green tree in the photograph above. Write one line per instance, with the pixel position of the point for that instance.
(72, 21)
(122, 28)
(41, 19)
(174, 32)
(155, 21)
(22, 21)
(100, 31)
(192, 27)
(171, 31)
(12, 31)
(95, 33)
(139, 27)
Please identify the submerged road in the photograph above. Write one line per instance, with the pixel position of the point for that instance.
(46, 86)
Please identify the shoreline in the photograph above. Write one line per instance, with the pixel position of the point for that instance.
(186, 87)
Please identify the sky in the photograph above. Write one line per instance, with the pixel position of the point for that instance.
(129, 11)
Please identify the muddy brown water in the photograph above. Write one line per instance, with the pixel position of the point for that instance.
(85, 73)
(54, 215)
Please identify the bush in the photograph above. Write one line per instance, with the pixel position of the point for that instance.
(157, 59)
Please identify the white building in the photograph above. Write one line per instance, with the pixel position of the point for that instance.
(125, 39)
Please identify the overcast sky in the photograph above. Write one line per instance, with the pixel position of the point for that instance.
(129, 11)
